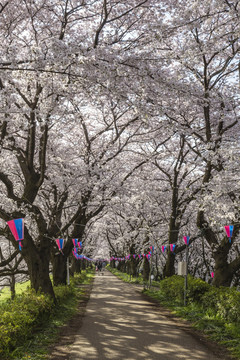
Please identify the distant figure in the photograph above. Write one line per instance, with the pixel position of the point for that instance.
(103, 267)
(99, 267)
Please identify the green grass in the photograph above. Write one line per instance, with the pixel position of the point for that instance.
(227, 334)
(205, 319)
(47, 334)
(131, 279)
(125, 277)
(5, 293)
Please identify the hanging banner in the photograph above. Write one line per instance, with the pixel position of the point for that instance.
(164, 248)
(17, 228)
(229, 231)
(75, 242)
(186, 239)
(172, 247)
(60, 244)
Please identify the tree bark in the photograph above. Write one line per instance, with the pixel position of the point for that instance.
(12, 286)
(223, 274)
(38, 266)
(169, 268)
(59, 263)
(76, 266)
(146, 269)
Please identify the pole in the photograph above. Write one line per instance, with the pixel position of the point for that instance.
(150, 272)
(186, 280)
(68, 279)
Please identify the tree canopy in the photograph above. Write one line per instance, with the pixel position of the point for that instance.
(119, 125)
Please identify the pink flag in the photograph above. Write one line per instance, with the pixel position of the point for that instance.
(172, 247)
(186, 240)
(17, 228)
(229, 231)
(75, 242)
(60, 244)
(163, 248)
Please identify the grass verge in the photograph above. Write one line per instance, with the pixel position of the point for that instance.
(5, 293)
(216, 329)
(210, 316)
(131, 279)
(37, 347)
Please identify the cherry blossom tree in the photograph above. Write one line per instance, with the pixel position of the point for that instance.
(52, 53)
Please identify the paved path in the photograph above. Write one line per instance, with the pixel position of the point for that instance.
(120, 324)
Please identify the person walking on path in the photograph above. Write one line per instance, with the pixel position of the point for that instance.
(121, 324)
(99, 267)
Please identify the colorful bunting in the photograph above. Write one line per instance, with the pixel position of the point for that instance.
(163, 248)
(172, 247)
(80, 257)
(75, 242)
(186, 239)
(60, 244)
(229, 231)
(17, 229)
(140, 256)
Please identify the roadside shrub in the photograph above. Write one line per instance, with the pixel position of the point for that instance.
(224, 302)
(173, 288)
(210, 299)
(229, 304)
(196, 289)
(20, 316)
(63, 291)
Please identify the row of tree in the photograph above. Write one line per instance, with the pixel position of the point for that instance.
(119, 126)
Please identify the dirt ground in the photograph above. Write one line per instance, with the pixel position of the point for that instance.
(119, 322)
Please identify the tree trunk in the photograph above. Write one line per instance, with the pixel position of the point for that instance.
(83, 264)
(59, 263)
(169, 268)
(222, 273)
(174, 224)
(133, 267)
(146, 269)
(76, 266)
(12, 287)
(38, 267)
